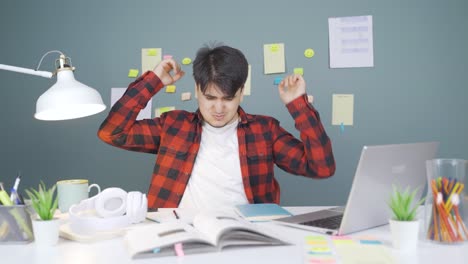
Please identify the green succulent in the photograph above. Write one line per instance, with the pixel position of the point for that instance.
(402, 204)
(43, 201)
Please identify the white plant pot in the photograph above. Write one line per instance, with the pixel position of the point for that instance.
(404, 234)
(46, 233)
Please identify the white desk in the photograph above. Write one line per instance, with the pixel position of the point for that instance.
(114, 251)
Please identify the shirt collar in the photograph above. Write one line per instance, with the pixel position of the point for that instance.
(244, 117)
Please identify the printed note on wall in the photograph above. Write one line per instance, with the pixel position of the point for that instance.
(343, 109)
(273, 58)
(116, 94)
(247, 84)
(150, 58)
(351, 42)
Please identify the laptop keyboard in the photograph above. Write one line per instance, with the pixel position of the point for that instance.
(329, 222)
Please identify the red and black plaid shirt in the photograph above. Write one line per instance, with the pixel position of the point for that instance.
(175, 138)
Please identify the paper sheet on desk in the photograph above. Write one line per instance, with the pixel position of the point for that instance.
(186, 215)
(358, 253)
(67, 233)
(164, 215)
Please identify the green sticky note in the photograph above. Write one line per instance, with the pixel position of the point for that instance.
(165, 109)
(186, 61)
(160, 110)
(315, 237)
(309, 53)
(152, 52)
(132, 73)
(299, 71)
(274, 47)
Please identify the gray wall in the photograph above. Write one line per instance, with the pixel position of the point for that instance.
(416, 91)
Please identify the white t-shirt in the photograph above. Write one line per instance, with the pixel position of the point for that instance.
(216, 180)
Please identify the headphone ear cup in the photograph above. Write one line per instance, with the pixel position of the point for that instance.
(136, 207)
(111, 202)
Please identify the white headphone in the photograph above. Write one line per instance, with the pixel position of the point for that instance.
(112, 208)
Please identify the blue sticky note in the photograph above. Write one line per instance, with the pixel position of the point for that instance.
(370, 242)
(342, 127)
(278, 80)
(319, 253)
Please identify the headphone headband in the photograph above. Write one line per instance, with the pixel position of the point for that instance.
(113, 208)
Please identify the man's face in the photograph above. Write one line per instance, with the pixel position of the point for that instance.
(216, 108)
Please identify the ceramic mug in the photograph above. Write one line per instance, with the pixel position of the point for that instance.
(71, 192)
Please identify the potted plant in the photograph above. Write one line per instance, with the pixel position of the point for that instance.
(403, 225)
(44, 202)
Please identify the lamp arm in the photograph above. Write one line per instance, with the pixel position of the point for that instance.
(45, 74)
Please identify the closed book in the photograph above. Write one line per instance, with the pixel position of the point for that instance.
(261, 212)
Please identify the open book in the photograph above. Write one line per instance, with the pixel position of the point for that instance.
(210, 232)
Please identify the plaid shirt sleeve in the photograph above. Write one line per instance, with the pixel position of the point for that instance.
(120, 128)
(311, 156)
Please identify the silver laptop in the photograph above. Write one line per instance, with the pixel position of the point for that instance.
(378, 169)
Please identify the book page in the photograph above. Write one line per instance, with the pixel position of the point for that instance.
(217, 226)
(158, 236)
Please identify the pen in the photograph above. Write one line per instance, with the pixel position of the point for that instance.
(4, 199)
(14, 190)
(175, 213)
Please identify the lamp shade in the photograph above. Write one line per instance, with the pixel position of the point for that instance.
(68, 99)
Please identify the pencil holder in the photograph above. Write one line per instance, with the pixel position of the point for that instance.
(15, 224)
(445, 206)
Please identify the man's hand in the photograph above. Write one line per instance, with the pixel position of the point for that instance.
(163, 71)
(291, 87)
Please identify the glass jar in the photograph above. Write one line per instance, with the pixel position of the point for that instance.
(446, 214)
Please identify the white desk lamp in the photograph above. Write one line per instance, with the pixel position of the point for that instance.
(67, 98)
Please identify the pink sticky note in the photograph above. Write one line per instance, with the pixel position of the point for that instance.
(322, 261)
(167, 57)
(179, 250)
(341, 238)
(186, 96)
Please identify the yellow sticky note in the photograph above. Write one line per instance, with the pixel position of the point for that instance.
(132, 73)
(317, 242)
(299, 71)
(186, 61)
(160, 110)
(356, 253)
(343, 241)
(170, 89)
(150, 57)
(152, 52)
(320, 249)
(186, 96)
(309, 53)
(343, 109)
(273, 58)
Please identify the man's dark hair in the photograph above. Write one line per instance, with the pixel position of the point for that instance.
(223, 66)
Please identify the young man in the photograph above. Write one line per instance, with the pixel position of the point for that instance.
(218, 156)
